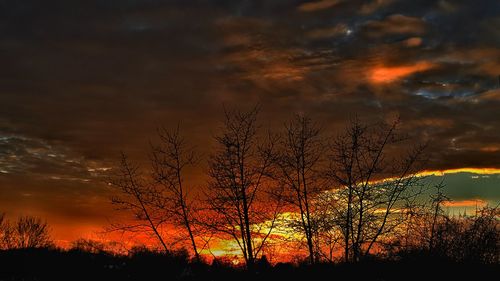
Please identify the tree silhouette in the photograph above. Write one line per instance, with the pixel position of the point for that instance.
(138, 196)
(160, 197)
(359, 192)
(6, 233)
(170, 160)
(299, 160)
(374, 185)
(437, 205)
(237, 171)
(25, 232)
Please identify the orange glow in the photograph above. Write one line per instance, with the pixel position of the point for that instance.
(490, 148)
(65, 232)
(413, 42)
(384, 74)
(480, 171)
(466, 203)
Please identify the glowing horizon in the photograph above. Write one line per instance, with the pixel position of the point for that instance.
(229, 248)
(78, 91)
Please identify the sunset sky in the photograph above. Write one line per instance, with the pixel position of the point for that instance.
(82, 80)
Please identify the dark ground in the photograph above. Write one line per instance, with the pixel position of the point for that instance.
(53, 264)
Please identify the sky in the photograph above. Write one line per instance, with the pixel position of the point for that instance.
(82, 80)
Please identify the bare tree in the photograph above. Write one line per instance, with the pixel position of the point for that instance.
(463, 238)
(299, 163)
(238, 172)
(170, 160)
(26, 232)
(160, 197)
(375, 181)
(5, 232)
(437, 201)
(479, 237)
(139, 197)
(31, 232)
(327, 236)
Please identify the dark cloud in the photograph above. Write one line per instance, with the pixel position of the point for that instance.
(82, 80)
(396, 24)
(313, 6)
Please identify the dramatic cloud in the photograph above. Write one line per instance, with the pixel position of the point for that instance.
(82, 80)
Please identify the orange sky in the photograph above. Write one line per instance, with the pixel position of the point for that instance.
(76, 90)
(64, 231)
